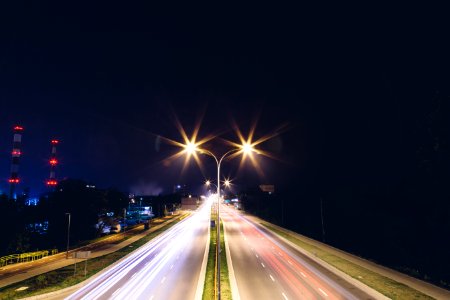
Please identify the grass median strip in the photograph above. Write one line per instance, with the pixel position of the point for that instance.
(66, 277)
(209, 288)
(382, 284)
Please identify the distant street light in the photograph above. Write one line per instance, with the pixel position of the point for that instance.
(68, 235)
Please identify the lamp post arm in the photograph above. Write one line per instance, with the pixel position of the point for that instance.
(228, 152)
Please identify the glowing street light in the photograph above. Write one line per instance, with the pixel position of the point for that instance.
(247, 148)
(191, 148)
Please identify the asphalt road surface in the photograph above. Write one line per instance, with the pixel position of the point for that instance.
(265, 267)
(168, 267)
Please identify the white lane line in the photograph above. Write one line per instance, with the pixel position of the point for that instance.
(164, 279)
(279, 253)
(289, 262)
(303, 274)
(116, 291)
(171, 267)
(147, 263)
(271, 277)
(284, 296)
(256, 255)
(134, 274)
(323, 292)
(263, 265)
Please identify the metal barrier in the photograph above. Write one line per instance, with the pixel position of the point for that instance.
(25, 257)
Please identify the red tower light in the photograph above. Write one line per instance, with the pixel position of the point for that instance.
(54, 142)
(53, 161)
(18, 128)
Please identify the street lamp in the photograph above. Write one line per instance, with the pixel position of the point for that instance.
(68, 234)
(191, 148)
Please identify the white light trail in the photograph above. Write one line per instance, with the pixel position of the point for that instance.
(146, 264)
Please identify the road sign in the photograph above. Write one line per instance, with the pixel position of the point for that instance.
(82, 254)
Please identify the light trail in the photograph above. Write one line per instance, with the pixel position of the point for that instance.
(148, 267)
(294, 276)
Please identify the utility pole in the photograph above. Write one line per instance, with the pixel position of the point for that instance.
(321, 217)
(124, 218)
(68, 235)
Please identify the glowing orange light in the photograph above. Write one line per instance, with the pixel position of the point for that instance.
(16, 152)
(52, 182)
(54, 142)
(13, 180)
(19, 128)
(53, 161)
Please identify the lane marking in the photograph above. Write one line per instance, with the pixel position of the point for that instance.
(147, 263)
(256, 255)
(263, 265)
(280, 254)
(271, 277)
(323, 292)
(303, 274)
(284, 296)
(164, 279)
(171, 267)
(116, 291)
(290, 262)
(134, 274)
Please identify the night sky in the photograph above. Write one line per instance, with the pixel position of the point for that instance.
(107, 79)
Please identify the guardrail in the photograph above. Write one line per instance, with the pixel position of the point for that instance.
(25, 257)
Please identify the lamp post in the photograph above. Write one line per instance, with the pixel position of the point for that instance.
(192, 148)
(218, 161)
(68, 234)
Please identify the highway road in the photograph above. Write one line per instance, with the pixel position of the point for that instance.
(265, 267)
(168, 267)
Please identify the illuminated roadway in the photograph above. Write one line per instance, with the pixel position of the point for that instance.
(265, 267)
(168, 267)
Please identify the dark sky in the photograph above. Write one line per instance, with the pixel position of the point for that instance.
(107, 78)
